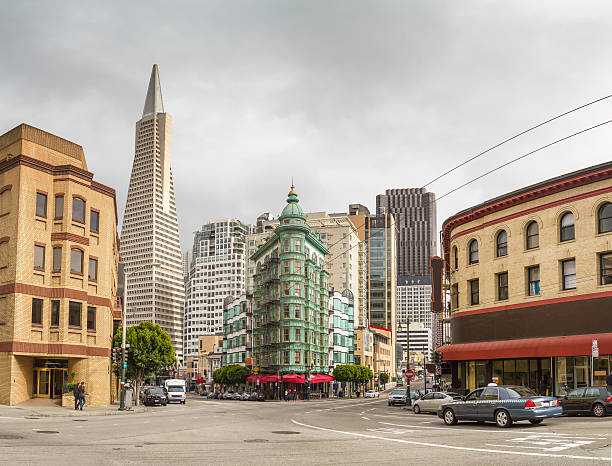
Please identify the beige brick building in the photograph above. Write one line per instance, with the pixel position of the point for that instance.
(530, 274)
(58, 269)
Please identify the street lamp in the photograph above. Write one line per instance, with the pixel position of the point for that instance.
(124, 329)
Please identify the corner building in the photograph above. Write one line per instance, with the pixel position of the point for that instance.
(531, 285)
(291, 318)
(58, 270)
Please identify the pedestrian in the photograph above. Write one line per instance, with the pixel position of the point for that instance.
(286, 395)
(543, 387)
(75, 392)
(609, 383)
(82, 395)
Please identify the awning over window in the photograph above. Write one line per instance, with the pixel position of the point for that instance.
(294, 378)
(572, 345)
(320, 378)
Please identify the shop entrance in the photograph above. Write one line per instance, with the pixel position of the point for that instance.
(50, 377)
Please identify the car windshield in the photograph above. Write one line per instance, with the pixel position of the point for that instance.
(398, 392)
(370, 391)
(155, 391)
(518, 392)
(175, 388)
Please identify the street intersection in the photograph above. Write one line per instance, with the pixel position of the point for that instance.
(318, 432)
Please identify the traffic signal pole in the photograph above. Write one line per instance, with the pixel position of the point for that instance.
(123, 332)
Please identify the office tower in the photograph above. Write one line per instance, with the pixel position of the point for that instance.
(414, 211)
(216, 272)
(150, 245)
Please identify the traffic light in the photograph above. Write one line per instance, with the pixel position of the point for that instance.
(116, 355)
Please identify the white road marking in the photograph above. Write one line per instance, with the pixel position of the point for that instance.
(366, 418)
(391, 431)
(452, 447)
(455, 427)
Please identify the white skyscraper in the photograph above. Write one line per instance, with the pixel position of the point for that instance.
(216, 271)
(150, 246)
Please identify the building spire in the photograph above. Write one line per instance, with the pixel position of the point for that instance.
(153, 103)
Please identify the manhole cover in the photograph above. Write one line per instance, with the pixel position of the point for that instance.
(47, 432)
(80, 420)
(285, 432)
(10, 437)
(256, 440)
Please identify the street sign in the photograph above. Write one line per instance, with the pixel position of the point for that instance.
(125, 364)
(409, 374)
(595, 348)
(256, 369)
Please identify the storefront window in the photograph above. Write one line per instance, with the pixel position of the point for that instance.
(601, 369)
(572, 372)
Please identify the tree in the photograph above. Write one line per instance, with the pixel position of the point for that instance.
(383, 379)
(352, 374)
(231, 375)
(150, 350)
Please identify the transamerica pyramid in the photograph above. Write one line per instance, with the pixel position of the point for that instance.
(150, 247)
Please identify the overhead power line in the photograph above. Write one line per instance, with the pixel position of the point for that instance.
(514, 137)
(522, 157)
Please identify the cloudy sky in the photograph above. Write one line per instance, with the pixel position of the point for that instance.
(348, 97)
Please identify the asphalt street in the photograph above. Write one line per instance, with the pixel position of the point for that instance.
(318, 432)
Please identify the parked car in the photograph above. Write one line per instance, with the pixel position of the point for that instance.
(432, 401)
(371, 394)
(501, 404)
(236, 396)
(255, 396)
(227, 395)
(204, 394)
(397, 397)
(587, 400)
(155, 396)
(245, 396)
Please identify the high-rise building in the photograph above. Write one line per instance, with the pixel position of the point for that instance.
(290, 308)
(216, 271)
(341, 329)
(414, 300)
(414, 210)
(58, 270)
(237, 331)
(150, 245)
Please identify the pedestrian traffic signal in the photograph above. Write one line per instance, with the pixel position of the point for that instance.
(116, 355)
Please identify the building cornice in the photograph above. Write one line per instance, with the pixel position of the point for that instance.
(540, 190)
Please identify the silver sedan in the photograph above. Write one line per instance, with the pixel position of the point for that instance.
(430, 402)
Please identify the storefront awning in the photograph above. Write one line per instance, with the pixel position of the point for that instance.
(320, 378)
(265, 378)
(572, 345)
(294, 378)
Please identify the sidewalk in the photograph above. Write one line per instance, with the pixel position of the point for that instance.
(43, 408)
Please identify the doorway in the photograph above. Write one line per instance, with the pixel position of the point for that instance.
(50, 377)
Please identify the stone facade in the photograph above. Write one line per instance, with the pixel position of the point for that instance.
(58, 269)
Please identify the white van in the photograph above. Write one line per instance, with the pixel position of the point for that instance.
(176, 389)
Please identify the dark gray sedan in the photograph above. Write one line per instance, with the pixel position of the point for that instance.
(502, 405)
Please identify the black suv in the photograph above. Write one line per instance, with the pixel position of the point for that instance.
(155, 396)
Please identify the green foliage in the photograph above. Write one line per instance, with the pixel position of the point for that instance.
(352, 373)
(231, 375)
(384, 378)
(150, 350)
(70, 386)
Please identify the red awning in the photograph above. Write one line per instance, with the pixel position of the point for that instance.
(572, 345)
(320, 378)
(251, 378)
(293, 378)
(265, 378)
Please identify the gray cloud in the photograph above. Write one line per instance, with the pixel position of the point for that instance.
(348, 97)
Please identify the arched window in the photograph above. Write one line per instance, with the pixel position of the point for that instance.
(455, 258)
(501, 242)
(473, 252)
(566, 227)
(533, 235)
(604, 218)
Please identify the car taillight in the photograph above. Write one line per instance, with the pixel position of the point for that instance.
(609, 398)
(530, 404)
(554, 402)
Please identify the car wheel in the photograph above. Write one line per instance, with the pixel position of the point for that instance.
(599, 410)
(417, 409)
(502, 418)
(536, 421)
(449, 417)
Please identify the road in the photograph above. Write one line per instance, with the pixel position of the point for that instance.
(324, 432)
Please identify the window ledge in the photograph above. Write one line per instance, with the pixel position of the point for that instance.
(570, 290)
(78, 222)
(568, 241)
(41, 216)
(93, 280)
(76, 273)
(54, 327)
(91, 331)
(37, 325)
(74, 327)
(531, 250)
(38, 269)
(603, 234)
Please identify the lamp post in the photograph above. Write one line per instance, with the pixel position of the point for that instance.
(124, 329)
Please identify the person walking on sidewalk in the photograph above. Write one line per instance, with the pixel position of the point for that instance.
(609, 383)
(82, 395)
(75, 392)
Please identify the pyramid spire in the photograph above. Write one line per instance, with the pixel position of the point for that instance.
(153, 103)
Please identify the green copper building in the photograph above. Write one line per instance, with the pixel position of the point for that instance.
(290, 302)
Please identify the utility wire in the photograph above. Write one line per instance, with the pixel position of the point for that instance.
(522, 157)
(514, 137)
